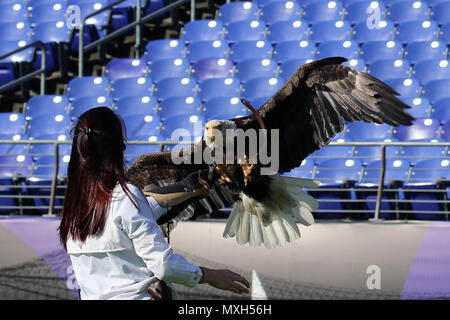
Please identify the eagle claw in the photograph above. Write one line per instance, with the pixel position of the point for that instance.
(247, 168)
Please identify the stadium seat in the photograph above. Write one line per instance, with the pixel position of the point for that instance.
(441, 110)
(250, 49)
(172, 87)
(323, 10)
(48, 150)
(418, 153)
(383, 32)
(377, 50)
(202, 30)
(357, 11)
(288, 68)
(288, 50)
(441, 12)
(445, 131)
(46, 104)
(389, 69)
(6, 46)
(136, 86)
(223, 106)
(419, 111)
(328, 151)
(83, 104)
(428, 70)
(330, 31)
(280, 11)
(262, 3)
(237, 11)
(87, 86)
(261, 87)
(141, 125)
(435, 90)
(245, 30)
(169, 68)
(183, 128)
(413, 31)
(175, 106)
(47, 12)
(212, 68)
(206, 49)
(15, 31)
(358, 64)
(445, 33)
(133, 151)
(219, 87)
(125, 68)
(426, 175)
(359, 131)
(368, 153)
(136, 105)
(293, 30)
(13, 12)
(422, 128)
(164, 49)
(347, 49)
(425, 50)
(407, 11)
(305, 170)
(45, 124)
(418, 105)
(408, 87)
(255, 68)
(13, 128)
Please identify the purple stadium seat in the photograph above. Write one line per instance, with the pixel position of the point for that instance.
(212, 68)
(125, 68)
(423, 128)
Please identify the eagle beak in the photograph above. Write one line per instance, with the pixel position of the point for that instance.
(211, 133)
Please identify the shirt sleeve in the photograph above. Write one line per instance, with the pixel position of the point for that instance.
(150, 245)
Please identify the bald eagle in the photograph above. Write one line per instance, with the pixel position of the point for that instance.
(307, 111)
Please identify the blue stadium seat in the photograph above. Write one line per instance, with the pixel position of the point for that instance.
(212, 68)
(136, 105)
(245, 30)
(407, 11)
(426, 175)
(237, 11)
(280, 11)
(175, 106)
(141, 125)
(418, 104)
(347, 49)
(359, 131)
(223, 106)
(288, 68)
(136, 86)
(259, 102)
(87, 86)
(305, 170)
(445, 131)
(202, 30)
(408, 87)
(261, 87)
(330, 30)
(358, 64)
(383, 32)
(413, 31)
(219, 87)
(47, 12)
(15, 31)
(428, 70)
(422, 128)
(376, 50)
(206, 49)
(441, 110)
(441, 12)
(250, 49)
(125, 68)
(172, 87)
(255, 68)
(323, 10)
(13, 12)
(132, 151)
(48, 150)
(292, 30)
(368, 153)
(13, 128)
(328, 152)
(7, 46)
(389, 69)
(425, 50)
(183, 128)
(83, 104)
(445, 33)
(262, 3)
(357, 11)
(47, 104)
(419, 111)
(45, 124)
(418, 153)
(164, 49)
(435, 90)
(169, 68)
(288, 50)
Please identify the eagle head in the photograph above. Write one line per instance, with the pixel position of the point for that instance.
(215, 129)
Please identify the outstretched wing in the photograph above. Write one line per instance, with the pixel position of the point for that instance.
(313, 104)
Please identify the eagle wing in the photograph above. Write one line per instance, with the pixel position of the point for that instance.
(313, 104)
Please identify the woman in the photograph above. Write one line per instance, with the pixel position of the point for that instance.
(108, 225)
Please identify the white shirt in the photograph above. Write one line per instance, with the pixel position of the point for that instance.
(129, 254)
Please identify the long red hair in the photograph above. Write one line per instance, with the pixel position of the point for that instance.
(96, 166)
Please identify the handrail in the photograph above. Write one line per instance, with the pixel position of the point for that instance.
(120, 31)
(41, 71)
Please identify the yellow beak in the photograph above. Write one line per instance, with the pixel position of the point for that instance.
(211, 133)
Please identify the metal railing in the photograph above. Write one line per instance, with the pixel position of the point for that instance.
(56, 185)
(31, 75)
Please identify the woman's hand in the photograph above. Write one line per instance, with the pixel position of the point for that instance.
(225, 280)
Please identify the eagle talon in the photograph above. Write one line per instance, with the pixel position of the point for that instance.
(223, 176)
(247, 168)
